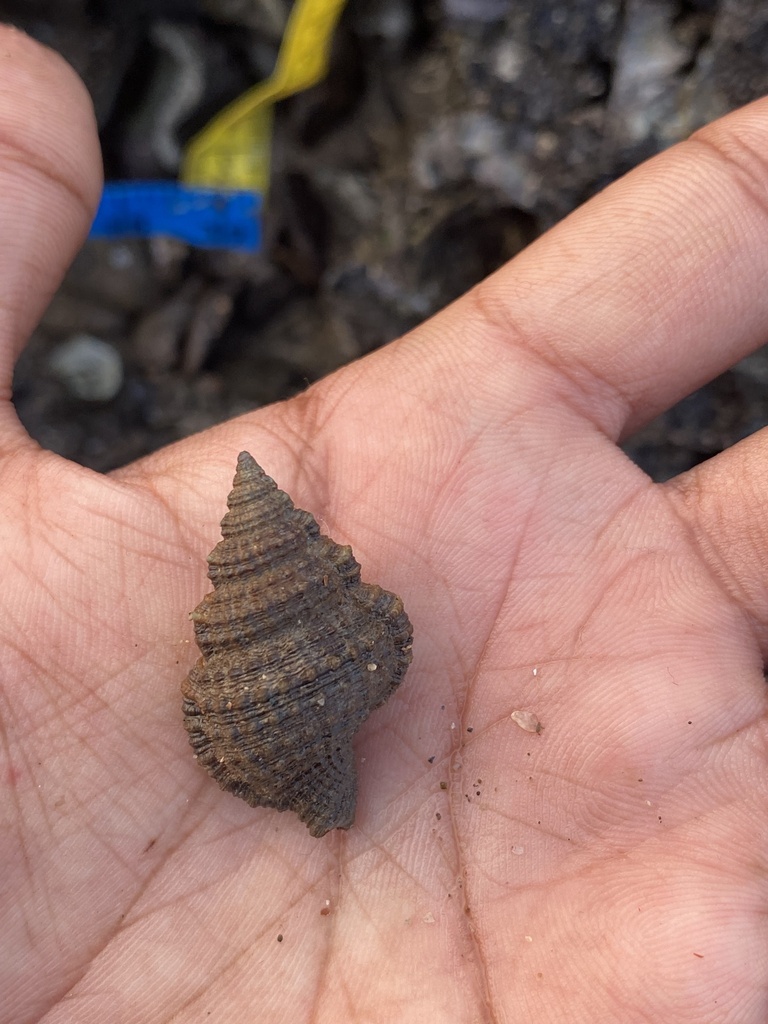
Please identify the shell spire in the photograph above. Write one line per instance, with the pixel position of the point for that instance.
(296, 653)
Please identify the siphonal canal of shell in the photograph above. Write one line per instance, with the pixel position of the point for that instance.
(296, 653)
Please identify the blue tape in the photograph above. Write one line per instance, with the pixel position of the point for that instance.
(207, 218)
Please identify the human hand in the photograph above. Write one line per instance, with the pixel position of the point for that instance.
(610, 868)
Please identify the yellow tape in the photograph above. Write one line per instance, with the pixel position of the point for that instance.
(233, 149)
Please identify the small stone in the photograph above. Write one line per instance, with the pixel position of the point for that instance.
(477, 10)
(526, 720)
(212, 314)
(89, 368)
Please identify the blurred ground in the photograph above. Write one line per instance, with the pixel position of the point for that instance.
(458, 128)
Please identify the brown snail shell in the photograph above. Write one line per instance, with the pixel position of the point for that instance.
(297, 652)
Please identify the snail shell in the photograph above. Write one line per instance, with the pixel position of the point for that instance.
(297, 652)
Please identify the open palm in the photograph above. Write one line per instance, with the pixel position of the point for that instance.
(610, 867)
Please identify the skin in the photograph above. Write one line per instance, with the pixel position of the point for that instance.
(612, 867)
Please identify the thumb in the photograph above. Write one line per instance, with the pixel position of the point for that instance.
(50, 181)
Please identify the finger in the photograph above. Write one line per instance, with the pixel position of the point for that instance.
(650, 289)
(654, 286)
(50, 178)
(725, 503)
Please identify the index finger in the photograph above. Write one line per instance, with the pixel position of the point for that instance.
(654, 286)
